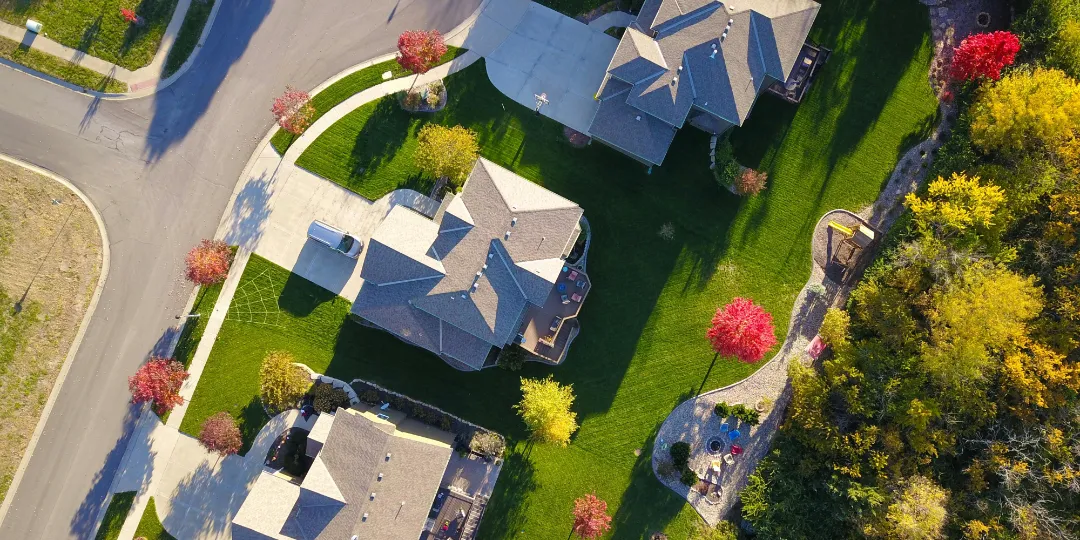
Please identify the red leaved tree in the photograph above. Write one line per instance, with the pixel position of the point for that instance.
(590, 516)
(984, 55)
(208, 262)
(750, 182)
(419, 51)
(220, 434)
(158, 381)
(129, 15)
(293, 110)
(742, 329)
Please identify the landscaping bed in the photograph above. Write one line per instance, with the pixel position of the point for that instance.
(44, 295)
(349, 85)
(642, 348)
(59, 68)
(97, 27)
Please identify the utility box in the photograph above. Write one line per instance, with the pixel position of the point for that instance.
(33, 26)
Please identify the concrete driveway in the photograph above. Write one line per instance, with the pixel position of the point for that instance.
(545, 52)
(273, 208)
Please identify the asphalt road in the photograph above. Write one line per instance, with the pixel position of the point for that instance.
(160, 171)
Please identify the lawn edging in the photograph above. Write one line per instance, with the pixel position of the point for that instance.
(61, 376)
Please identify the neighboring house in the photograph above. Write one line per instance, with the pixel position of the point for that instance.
(697, 61)
(487, 271)
(374, 476)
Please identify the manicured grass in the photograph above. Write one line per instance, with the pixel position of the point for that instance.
(189, 35)
(59, 68)
(96, 26)
(349, 85)
(642, 348)
(150, 526)
(193, 330)
(115, 516)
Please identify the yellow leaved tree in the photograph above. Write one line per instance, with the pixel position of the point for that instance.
(545, 408)
(1026, 110)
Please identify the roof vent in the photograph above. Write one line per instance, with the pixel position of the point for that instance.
(388, 455)
(638, 117)
(484, 267)
(730, 22)
(507, 235)
(490, 255)
(513, 222)
(475, 285)
(675, 80)
(380, 477)
(363, 519)
(731, 8)
(713, 55)
(680, 68)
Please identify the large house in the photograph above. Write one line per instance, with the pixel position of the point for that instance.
(374, 476)
(489, 270)
(697, 61)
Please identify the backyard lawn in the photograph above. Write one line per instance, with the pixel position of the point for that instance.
(97, 27)
(642, 348)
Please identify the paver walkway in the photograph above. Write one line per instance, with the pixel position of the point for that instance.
(141, 81)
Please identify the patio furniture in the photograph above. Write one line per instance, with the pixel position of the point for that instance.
(576, 297)
(716, 466)
(736, 449)
(573, 275)
(724, 428)
(565, 299)
(555, 324)
(561, 287)
(581, 283)
(733, 434)
(729, 459)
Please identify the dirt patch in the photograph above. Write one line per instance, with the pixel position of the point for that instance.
(43, 297)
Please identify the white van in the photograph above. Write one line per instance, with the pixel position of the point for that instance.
(336, 239)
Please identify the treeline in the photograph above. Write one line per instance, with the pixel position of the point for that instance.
(949, 405)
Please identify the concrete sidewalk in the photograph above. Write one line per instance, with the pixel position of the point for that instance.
(142, 81)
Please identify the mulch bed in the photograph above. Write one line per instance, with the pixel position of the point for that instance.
(577, 139)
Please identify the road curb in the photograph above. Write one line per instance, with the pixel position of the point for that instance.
(76, 342)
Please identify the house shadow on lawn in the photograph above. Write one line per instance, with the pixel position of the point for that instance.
(647, 506)
(300, 296)
(507, 512)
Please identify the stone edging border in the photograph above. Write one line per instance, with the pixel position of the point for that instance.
(79, 335)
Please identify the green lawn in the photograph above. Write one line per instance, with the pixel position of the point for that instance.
(349, 85)
(642, 349)
(115, 516)
(150, 526)
(189, 35)
(96, 26)
(59, 68)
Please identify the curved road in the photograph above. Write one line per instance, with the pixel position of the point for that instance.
(160, 170)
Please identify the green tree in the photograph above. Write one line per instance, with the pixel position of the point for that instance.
(545, 408)
(446, 152)
(918, 511)
(281, 384)
(1026, 110)
(835, 328)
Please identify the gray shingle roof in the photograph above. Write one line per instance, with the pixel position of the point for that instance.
(637, 57)
(631, 131)
(763, 38)
(354, 456)
(500, 243)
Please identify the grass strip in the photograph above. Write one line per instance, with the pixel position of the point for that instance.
(59, 68)
(150, 526)
(189, 35)
(350, 85)
(115, 516)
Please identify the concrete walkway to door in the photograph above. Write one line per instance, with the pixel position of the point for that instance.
(531, 49)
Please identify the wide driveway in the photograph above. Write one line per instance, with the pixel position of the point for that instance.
(546, 52)
(276, 203)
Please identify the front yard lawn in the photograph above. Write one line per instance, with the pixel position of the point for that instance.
(115, 516)
(59, 68)
(642, 349)
(150, 526)
(97, 27)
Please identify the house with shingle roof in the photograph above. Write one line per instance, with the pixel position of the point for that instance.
(462, 284)
(374, 475)
(702, 62)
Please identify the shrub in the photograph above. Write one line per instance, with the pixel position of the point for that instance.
(726, 168)
(220, 434)
(722, 410)
(742, 329)
(328, 398)
(370, 396)
(487, 444)
(281, 383)
(432, 98)
(208, 262)
(411, 100)
(511, 357)
(750, 182)
(418, 50)
(590, 517)
(835, 328)
(689, 477)
(746, 414)
(444, 422)
(293, 110)
(984, 55)
(680, 454)
(158, 381)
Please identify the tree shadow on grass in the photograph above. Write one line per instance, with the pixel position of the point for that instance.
(379, 140)
(252, 419)
(647, 506)
(508, 510)
(300, 296)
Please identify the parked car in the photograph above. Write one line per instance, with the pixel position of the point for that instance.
(335, 239)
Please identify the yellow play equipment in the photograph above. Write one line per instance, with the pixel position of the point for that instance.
(855, 240)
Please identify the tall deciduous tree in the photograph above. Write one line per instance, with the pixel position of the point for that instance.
(919, 511)
(419, 50)
(446, 152)
(590, 516)
(956, 205)
(742, 329)
(281, 383)
(984, 55)
(208, 262)
(293, 110)
(220, 434)
(545, 408)
(1026, 110)
(158, 381)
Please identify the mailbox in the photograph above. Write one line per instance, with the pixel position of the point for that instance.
(33, 26)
